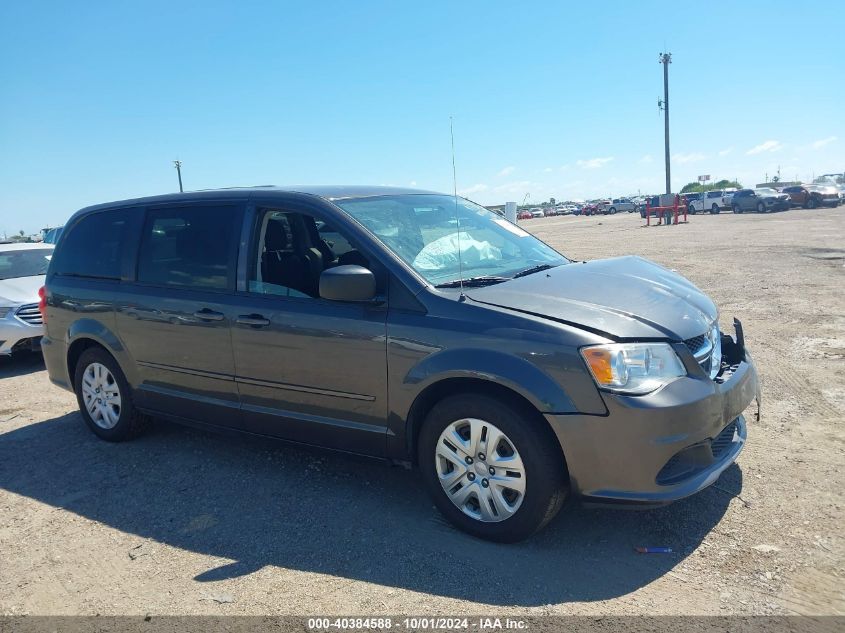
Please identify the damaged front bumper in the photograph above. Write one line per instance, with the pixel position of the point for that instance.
(666, 445)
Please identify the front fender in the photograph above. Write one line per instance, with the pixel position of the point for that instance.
(508, 370)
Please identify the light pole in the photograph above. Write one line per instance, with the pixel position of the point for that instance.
(178, 165)
(666, 59)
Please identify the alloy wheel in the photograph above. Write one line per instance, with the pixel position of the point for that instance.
(101, 395)
(480, 470)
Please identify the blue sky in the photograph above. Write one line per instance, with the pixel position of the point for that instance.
(548, 99)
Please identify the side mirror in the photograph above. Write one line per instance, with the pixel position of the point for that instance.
(347, 283)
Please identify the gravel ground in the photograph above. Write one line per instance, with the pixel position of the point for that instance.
(187, 522)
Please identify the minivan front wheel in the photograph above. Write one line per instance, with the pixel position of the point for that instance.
(104, 397)
(490, 467)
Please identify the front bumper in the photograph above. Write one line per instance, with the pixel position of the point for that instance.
(655, 449)
(780, 205)
(17, 334)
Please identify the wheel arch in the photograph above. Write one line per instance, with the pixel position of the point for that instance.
(446, 387)
(87, 333)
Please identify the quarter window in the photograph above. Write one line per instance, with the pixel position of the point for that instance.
(193, 247)
(93, 246)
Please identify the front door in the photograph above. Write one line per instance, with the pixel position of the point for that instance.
(749, 201)
(175, 319)
(307, 369)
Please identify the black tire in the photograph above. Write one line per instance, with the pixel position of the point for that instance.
(545, 470)
(761, 208)
(812, 203)
(130, 422)
(714, 210)
(736, 209)
(612, 210)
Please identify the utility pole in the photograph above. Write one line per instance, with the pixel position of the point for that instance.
(666, 59)
(178, 165)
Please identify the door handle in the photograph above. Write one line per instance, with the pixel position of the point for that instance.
(255, 320)
(208, 315)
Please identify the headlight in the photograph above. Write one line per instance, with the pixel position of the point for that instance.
(633, 368)
(4, 312)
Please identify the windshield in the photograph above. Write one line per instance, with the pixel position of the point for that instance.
(765, 191)
(24, 263)
(422, 229)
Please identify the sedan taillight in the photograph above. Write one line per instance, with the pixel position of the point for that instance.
(42, 303)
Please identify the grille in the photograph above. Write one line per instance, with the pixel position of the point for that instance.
(696, 343)
(723, 440)
(707, 350)
(29, 314)
(696, 458)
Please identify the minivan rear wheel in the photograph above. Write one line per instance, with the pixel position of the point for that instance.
(104, 397)
(490, 467)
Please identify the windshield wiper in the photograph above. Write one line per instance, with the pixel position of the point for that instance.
(533, 269)
(472, 282)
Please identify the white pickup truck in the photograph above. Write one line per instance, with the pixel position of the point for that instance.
(712, 201)
(617, 204)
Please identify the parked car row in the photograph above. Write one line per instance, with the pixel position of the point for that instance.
(763, 199)
(766, 199)
(607, 206)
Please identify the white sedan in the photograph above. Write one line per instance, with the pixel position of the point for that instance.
(22, 270)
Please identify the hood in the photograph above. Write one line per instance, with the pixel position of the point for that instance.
(621, 298)
(20, 290)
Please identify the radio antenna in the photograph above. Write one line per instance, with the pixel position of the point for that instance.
(457, 215)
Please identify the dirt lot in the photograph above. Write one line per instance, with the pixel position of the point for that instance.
(182, 521)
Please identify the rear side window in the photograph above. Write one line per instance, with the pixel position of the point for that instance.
(192, 247)
(93, 246)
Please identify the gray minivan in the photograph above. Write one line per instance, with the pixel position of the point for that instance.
(406, 325)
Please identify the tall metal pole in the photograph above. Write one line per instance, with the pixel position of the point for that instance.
(178, 165)
(666, 59)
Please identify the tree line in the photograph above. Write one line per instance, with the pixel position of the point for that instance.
(694, 187)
